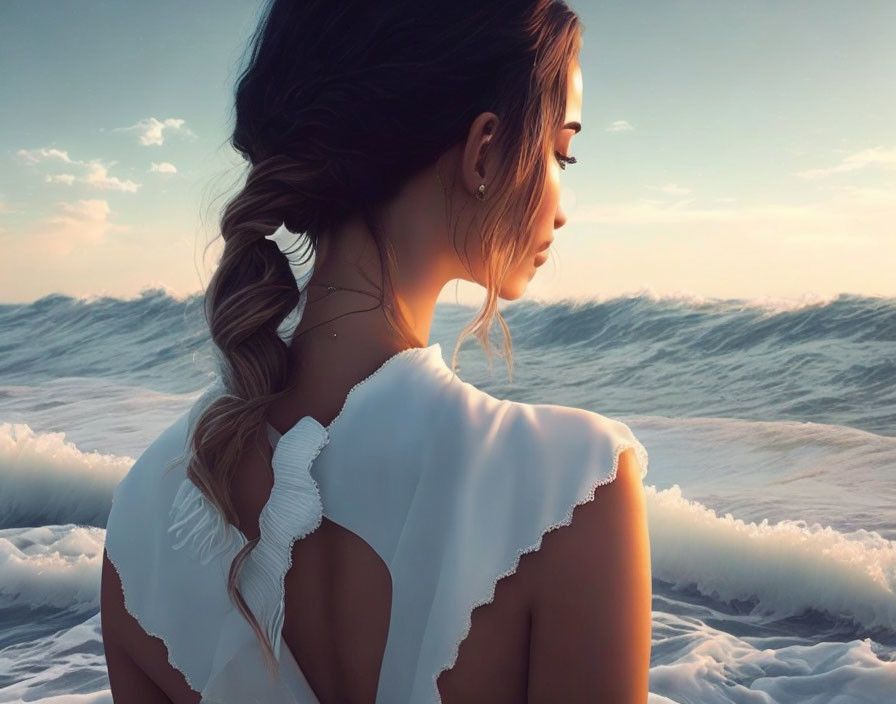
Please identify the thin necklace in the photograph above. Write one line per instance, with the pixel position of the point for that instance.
(330, 290)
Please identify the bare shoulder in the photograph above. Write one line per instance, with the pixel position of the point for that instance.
(600, 527)
(591, 614)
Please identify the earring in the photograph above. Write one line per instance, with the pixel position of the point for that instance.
(480, 194)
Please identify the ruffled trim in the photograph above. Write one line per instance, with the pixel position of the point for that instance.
(641, 453)
(293, 511)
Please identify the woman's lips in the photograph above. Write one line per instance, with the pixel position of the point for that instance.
(544, 246)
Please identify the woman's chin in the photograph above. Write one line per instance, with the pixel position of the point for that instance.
(514, 287)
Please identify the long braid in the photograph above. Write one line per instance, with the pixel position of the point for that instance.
(251, 292)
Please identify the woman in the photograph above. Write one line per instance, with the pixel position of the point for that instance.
(340, 518)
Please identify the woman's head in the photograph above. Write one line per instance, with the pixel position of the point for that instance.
(519, 236)
(342, 105)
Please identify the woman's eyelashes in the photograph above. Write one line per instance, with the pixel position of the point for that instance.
(564, 160)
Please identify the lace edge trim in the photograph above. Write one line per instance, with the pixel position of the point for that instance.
(192, 685)
(401, 354)
(640, 451)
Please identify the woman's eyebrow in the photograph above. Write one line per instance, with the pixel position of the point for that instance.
(573, 125)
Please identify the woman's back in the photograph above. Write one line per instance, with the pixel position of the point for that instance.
(338, 591)
(430, 491)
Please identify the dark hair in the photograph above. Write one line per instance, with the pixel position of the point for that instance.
(341, 103)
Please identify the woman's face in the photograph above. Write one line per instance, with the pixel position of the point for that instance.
(549, 216)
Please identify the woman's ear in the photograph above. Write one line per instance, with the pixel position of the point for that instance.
(477, 154)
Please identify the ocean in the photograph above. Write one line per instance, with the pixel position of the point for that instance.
(771, 490)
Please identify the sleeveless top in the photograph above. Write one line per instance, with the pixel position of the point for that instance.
(449, 485)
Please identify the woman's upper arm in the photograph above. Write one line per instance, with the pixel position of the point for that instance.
(591, 615)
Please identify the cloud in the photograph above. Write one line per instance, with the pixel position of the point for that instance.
(151, 131)
(6, 208)
(671, 188)
(660, 212)
(851, 217)
(67, 179)
(164, 168)
(620, 126)
(855, 161)
(98, 177)
(84, 223)
(883, 195)
(32, 156)
(95, 173)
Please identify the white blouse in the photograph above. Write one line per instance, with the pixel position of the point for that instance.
(449, 485)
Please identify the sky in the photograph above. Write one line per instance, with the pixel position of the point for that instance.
(728, 150)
